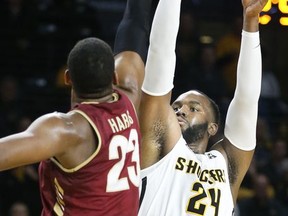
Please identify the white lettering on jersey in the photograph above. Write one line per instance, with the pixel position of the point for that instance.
(120, 122)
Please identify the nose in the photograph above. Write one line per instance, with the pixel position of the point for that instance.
(182, 111)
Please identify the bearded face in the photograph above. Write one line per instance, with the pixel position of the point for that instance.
(195, 132)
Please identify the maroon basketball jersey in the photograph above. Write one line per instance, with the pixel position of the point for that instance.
(107, 182)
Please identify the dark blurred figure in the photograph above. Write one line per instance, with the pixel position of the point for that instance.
(271, 103)
(262, 203)
(207, 76)
(60, 25)
(282, 187)
(264, 143)
(227, 49)
(187, 49)
(11, 107)
(17, 23)
(19, 209)
(276, 168)
(20, 186)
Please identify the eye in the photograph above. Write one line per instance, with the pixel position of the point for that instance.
(193, 109)
(176, 109)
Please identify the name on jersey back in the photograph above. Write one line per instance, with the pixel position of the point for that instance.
(120, 122)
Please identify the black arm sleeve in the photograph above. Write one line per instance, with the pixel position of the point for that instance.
(133, 31)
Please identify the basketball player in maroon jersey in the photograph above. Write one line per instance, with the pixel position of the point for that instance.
(89, 156)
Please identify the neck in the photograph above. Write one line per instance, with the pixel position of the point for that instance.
(110, 97)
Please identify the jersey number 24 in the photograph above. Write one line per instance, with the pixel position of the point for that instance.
(195, 206)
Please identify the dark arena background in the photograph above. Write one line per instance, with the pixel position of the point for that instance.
(36, 36)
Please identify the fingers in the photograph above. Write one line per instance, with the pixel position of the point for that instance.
(253, 8)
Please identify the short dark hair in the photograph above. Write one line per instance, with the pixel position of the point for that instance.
(214, 107)
(91, 66)
(215, 111)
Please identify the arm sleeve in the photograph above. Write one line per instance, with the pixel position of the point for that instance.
(241, 120)
(133, 30)
(161, 60)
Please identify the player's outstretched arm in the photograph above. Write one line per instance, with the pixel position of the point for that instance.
(159, 126)
(48, 136)
(240, 126)
(131, 47)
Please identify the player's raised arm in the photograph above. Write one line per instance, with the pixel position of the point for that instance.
(240, 127)
(159, 125)
(131, 46)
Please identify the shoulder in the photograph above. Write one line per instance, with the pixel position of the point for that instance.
(57, 123)
(55, 118)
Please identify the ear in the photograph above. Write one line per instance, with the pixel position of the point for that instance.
(67, 78)
(212, 129)
(115, 78)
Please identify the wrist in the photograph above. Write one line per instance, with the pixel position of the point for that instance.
(251, 24)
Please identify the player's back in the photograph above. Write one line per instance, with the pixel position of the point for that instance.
(107, 182)
(185, 183)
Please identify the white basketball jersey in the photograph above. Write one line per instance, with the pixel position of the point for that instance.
(185, 183)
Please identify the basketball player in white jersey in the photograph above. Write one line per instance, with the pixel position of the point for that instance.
(178, 177)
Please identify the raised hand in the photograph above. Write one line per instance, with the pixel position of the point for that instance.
(253, 8)
(251, 11)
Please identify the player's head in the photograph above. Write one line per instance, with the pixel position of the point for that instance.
(198, 115)
(91, 68)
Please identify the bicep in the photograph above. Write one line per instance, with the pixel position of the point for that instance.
(159, 127)
(153, 109)
(238, 162)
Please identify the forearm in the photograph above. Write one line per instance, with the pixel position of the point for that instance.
(249, 69)
(241, 118)
(161, 58)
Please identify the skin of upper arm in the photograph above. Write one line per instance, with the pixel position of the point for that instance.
(46, 137)
(159, 128)
(238, 162)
